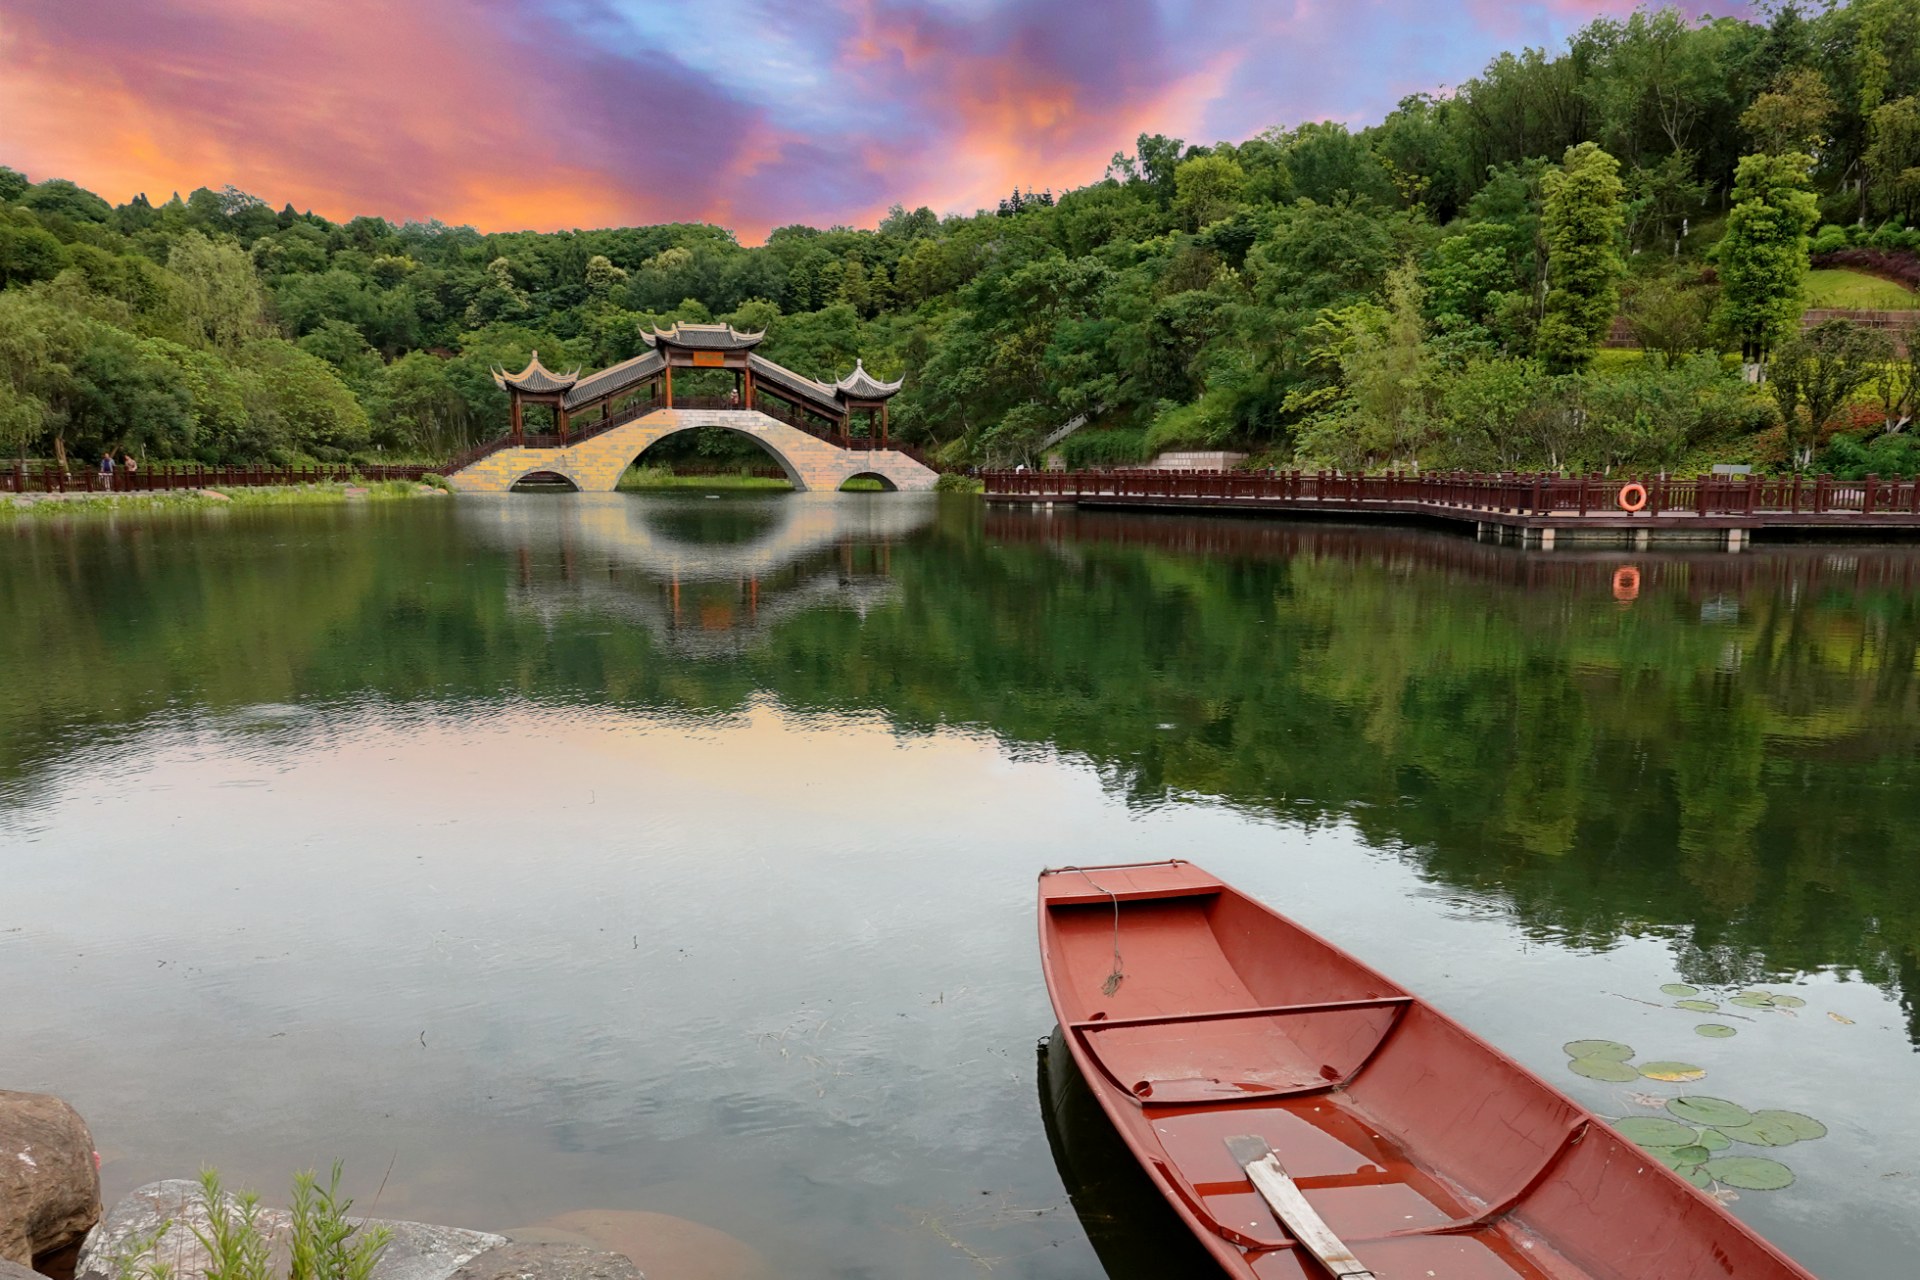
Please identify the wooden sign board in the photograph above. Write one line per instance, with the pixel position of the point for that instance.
(709, 359)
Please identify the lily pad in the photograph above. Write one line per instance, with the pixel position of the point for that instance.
(1715, 1030)
(1598, 1049)
(1684, 1157)
(1714, 1140)
(1679, 989)
(1656, 1131)
(1753, 1000)
(1609, 1069)
(1789, 1002)
(1673, 1072)
(1698, 1177)
(1714, 1113)
(1697, 1006)
(1777, 1129)
(1749, 1173)
(1805, 1127)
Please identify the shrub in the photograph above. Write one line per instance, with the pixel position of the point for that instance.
(1104, 449)
(1830, 239)
(954, 482)
(1848, 458)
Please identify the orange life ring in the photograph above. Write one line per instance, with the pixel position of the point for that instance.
(1626, 583)
(1636, 503)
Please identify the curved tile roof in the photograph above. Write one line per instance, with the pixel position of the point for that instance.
(536, 379)
(861, 385)
(704, 337)
(615, 378)
(767, 373)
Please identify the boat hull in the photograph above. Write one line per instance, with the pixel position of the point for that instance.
(1196, 1014)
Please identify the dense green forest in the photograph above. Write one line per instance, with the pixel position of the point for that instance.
(1433, 290)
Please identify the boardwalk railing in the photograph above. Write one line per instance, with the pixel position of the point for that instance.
(172, 477)
(1518, 495)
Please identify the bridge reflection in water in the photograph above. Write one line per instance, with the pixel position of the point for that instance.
(707, 578)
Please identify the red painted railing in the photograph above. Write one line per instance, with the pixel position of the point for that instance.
(1511, 494)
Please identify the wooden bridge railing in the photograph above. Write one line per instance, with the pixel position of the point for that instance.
(1512, 494)
(173, 477)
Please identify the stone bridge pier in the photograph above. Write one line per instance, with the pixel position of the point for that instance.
(595, 464)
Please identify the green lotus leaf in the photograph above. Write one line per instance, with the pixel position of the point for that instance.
(1714, 1140)
(1609, 1069)
(1656, 1131)
(1697, 1176)
(1753, 1000)
(1679, 989)
(1715, 1030)
(1672, 1072)
(1749, 1173)
(1684, 1157)
(1789, 1002)
(1597, 1049)
(1803, 1127)
(1713, 1113)
(1697, 1006)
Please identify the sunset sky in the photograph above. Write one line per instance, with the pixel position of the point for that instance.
(544, 114)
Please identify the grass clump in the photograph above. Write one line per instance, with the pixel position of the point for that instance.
(954, 482)
(321, 1243)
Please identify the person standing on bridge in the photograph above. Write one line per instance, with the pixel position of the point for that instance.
(106, 468)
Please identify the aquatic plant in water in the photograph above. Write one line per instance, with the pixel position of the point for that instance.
(1696, 1135)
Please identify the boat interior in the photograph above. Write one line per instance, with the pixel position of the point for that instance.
(1206, 1016)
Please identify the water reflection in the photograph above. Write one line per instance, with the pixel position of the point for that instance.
(705, 578)
(511, 758)
(1130, 1225)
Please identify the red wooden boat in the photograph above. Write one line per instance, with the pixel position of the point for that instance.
(1213, 1029)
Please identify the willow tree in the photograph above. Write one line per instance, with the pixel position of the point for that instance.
(1763, 256)
(1583, 215)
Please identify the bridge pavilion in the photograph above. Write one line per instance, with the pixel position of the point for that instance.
(645, 383)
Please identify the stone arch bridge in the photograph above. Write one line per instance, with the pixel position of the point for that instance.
(602, 422)
(595, 462)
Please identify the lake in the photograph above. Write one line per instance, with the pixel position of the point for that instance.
(671, 859)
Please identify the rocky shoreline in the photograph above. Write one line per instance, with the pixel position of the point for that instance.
(53, 1225)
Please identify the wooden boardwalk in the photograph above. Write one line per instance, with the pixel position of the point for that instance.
(1538, 510)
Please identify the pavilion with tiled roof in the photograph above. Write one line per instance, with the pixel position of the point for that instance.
(695, 346)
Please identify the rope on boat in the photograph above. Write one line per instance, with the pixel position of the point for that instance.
(1114, 979)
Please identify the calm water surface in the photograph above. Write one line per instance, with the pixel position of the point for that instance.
(675, 856)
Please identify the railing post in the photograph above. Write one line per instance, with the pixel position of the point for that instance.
(1821, 491)
(1866, 500)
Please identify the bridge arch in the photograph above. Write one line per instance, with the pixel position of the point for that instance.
(760, 442)
(597, 459)
(886, 483)
(542, 479)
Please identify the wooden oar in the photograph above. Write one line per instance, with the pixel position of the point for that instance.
(1251, 1152)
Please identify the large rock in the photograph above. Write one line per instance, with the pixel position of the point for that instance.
(14, 1271)
(417, 1252)
(520, 1260)
(49, 1183)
